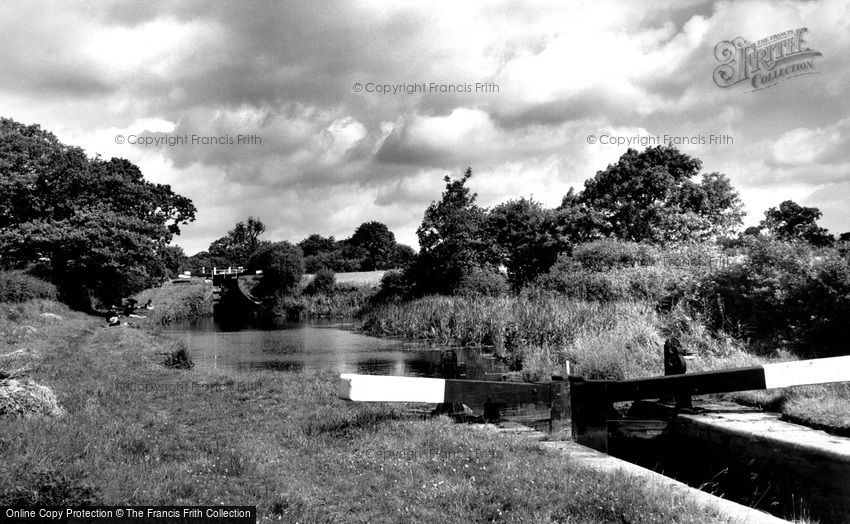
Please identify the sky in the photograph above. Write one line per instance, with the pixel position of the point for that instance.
(318, 116)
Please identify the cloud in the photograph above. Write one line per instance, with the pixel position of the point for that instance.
(828, 145)
(331, 157)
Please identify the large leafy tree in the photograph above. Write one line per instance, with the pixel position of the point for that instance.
(174, 260)
(321, 253)
(282, 265)
(453, 238)
(103, 227)
(236, 248)
(378, 244)
(315, 244)
(791, 221)
(403, 256)
(523, 232)
(203, 263)
(372, 246)
(650, 196)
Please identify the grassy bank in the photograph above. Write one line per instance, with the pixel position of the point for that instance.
(615, 340)
(344, 302)
(345, 298)
(137, 432)
(173, 302)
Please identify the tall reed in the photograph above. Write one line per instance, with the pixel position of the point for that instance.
(539, 333)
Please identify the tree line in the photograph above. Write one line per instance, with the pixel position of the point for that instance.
(371, 247)
(657, 196)
(99, 231)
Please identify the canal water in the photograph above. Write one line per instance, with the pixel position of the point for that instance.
(319, 344)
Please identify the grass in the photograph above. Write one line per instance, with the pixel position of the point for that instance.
(18, 286)
(173, 302)
(348, 298)
(825, 406)
(360, 278)
(540, 333)
(138, 432)
(344, 302)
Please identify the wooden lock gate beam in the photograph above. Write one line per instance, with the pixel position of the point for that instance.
(592, 399)
(492, 394)
(766, 376)
(584, 404)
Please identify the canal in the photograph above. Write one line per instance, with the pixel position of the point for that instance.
(318, 344)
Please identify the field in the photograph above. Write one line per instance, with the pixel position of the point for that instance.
(355, 278)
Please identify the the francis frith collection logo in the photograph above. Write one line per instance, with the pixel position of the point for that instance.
(766, 62)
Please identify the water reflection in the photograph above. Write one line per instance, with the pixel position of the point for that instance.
(317, 345)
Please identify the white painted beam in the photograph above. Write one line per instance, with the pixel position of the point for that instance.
(806, 372)
(382, 388)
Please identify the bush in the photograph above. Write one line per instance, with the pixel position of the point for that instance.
(282, 266)
(179, 358)
(785, 294)
(662, 286)
(344, 302)
(395, 285)
(324, 282)
(694, 255)
(601, 255)
(482, 282)
(17, 286)
(823, 324)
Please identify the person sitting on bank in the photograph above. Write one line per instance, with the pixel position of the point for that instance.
(130, 306)
(112, 317)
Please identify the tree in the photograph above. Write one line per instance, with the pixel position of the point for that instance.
(240, 242)
(403, 256)
(103, 227)
(203, 263)
(327, 253)
(792, 221)
(453, 239)
(173, 259)
(372, 246)
(575, 222)
(522, 231)
(649, 196)
(316, 244)
(282, 266)
(323, 282)
(246, 235)
(378, 244)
